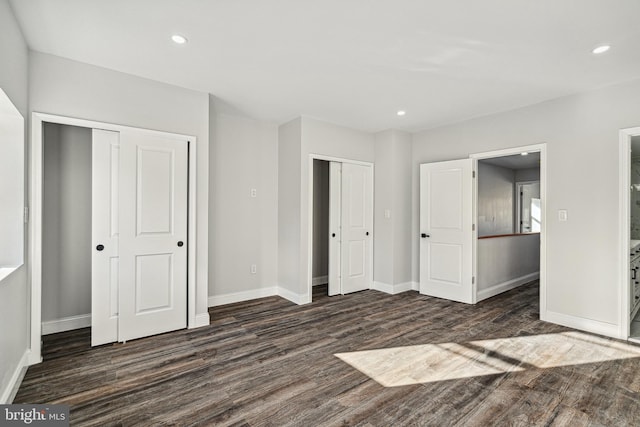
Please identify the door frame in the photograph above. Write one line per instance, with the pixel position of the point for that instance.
(36, 194)
(313, 157)
(624, 233)
(542, 149)
(518, 212)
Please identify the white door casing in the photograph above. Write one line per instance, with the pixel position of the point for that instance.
(357, 227)
(446, 220)
(104, 222)
(153, 234)
(335, 229)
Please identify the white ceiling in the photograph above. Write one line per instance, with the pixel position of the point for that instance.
(352, 62)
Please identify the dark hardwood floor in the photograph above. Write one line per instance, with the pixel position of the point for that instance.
(269, 362)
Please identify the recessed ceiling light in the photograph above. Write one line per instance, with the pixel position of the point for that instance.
(601, 49)
(401, 112)
(179, 39)
(524, 153)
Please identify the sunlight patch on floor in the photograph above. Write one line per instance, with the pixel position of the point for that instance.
(417, 364)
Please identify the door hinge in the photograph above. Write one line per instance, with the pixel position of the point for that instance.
(473, 173)
(473, 227)
(473, 280)
(26, 214)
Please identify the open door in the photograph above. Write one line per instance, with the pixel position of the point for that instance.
(446, 230)
(335, 234)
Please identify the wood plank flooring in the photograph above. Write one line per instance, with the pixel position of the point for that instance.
(269, 362)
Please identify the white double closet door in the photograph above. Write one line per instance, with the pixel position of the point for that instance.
(139, 232)
(350, 227)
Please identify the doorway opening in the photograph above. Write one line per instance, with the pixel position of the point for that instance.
(320, 241)
(158, 155)
(630, 234)
(509, 221)
(66, 228)
(340, 248)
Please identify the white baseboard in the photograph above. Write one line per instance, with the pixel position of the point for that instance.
(242, 296)
(11, 389)
(202, 319)
(581, 323)
(66, 324)
(506, 286)
(293, 297)
(320, 280)
(392, 289)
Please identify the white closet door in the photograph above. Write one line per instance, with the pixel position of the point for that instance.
(153, 233)
(446, 219)
(104, 223)
(357, 227)
(335, 234)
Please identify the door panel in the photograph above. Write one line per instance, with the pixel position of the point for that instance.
(446, 219)
(335, 229)
(104, 224)
(357, 227)
(153, 220)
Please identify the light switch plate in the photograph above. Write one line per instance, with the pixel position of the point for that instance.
(562, 215)
(387, 213)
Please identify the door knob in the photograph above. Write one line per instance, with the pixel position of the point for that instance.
(333, 234)
(99, 248)
(367, 233)
(180, 243)
(424, 235)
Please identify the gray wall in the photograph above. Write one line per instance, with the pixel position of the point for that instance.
(69, 88)
(392, 187)
(14, 303)
(503, 259)
(243, 229)
(530, 174)
(320, 219)
(66, 228)
(583, 279)
(495, 199)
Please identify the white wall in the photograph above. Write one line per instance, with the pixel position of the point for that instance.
(14, 303)
(320, 219)
(392, 184)
(502, 261)
(289, 146)
(69, 88)
(66, 225)
(243, 229)
(581, 132)
(495, 199)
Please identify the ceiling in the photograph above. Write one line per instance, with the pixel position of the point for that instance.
(353, 62)
(515, 162)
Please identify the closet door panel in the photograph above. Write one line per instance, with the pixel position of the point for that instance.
(105, 234)
(153, 231)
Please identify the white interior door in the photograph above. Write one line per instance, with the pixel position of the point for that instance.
(153, 233)
(446, 220)
(335, 229)
(529, 207)
(104, 223)
(357, 227)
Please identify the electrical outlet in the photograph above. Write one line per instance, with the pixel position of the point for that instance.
(254, 192)
(563, 215)
(254, 269)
